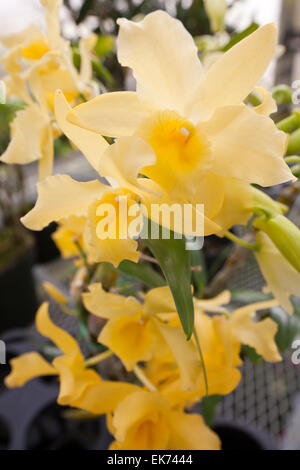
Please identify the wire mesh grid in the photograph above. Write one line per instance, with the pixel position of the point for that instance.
(264, 398)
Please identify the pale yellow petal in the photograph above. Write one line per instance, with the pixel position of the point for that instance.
(210, 191)
(55, 293)
(184, 352)
(159, 300)
(73, 378)
(27, 35)
(46, 162)
(247, 146)
(176, 212)
(102, 234)
(136, 408)
(131, 338)
(65, 342)
(215, 304)
(27, 367)
(189, 432)
(259, 335)
(268, 105)
(164, 59)
(221, 381)
(104, 397)
(60, 196)
(107, 305)
(124, 160)
(52, 8)
(231, 78)
(114, 114)
(86, 46)
(28, 132)
(237, 204)
(282, 279)
(91, 144)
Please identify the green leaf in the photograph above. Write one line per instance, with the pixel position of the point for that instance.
(251, 354)
(209, 407)
(142, 272)
(199, 277)
(102, 72)
(175, 263)
(288, 327)
(104, 46)
(238, 37)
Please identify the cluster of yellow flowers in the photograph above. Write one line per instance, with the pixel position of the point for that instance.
(152, 416)
(36, 65)
(184, 137)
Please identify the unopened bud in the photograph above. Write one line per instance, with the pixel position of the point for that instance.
(284, 234)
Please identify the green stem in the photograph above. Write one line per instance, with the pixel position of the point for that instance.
(99, 358)
(81, 251)
(296, 170)
(201, 359)
(239, 241)
(290, 124)
(143, 379)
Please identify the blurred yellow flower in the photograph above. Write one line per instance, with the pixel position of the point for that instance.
(55, 293)
(135, 332)
(37, 64)
(145, 421)
(221, 335)
(79, 386)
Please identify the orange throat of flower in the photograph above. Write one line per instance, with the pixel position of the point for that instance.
(179, 146)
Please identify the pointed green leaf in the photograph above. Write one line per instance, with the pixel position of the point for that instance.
(175, 263)
(142, 272)
(209, 407)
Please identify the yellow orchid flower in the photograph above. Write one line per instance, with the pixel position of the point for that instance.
(31, 138)
(220, 337)
(137, 332)
(55, 293)
(221, 357)
(145, 421)
(207, 144)
(42, 63)
(79, 386)
(281, 277)
(60, 197)
(74, 378)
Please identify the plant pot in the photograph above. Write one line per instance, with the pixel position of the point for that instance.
(18, 298)
(46, 250)
(241, 436)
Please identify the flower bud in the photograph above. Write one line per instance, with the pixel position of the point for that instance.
(216, 10)
(284, 234)
(263, 201)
